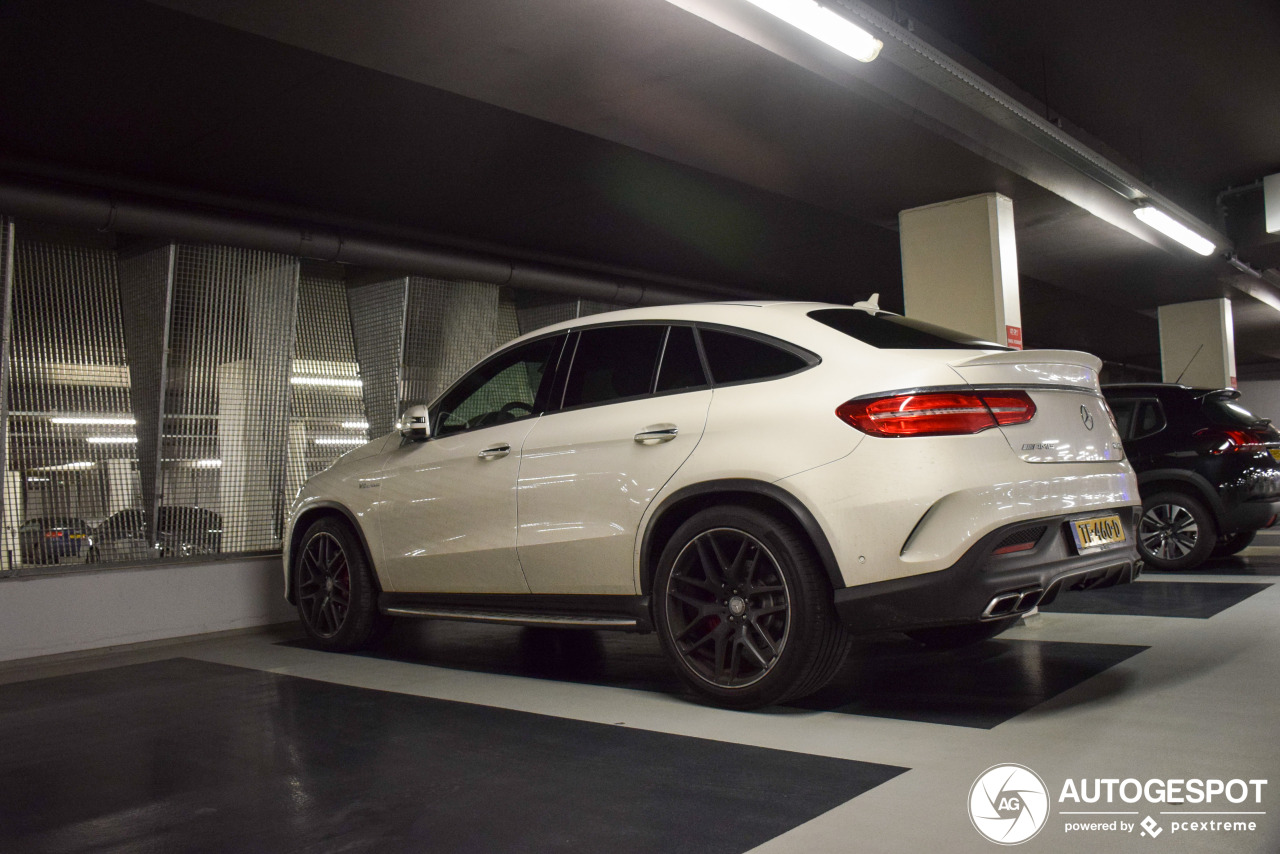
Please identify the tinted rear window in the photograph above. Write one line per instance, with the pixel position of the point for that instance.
(890, 332)
(1229, 413)
(737, 358)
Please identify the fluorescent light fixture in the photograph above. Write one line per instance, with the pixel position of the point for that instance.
(112, 440)
(76, 466)
(355, 425)
(337, 382)
(206, 464)
(340, 440)
(106, 421)
(37, 480)
(825, 26)
(1169, 227)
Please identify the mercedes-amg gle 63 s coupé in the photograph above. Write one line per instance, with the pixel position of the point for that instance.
(757, 483)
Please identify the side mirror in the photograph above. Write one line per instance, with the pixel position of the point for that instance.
(415, 423)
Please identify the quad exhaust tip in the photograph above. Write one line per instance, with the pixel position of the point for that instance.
(1007, 604)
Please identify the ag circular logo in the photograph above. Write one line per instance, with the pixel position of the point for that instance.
(1008, 804)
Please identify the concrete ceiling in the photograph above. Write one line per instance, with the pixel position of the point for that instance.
(692, 141)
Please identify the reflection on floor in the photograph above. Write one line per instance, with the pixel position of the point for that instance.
(190, 756)
(981, 686)
(1159, 598)
(463, 737)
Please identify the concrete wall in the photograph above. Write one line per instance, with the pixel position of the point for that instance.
(1262, 398)
(85, 610)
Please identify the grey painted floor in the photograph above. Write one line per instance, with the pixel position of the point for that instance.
(1169, 682)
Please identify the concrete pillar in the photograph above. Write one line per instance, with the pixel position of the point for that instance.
(377, 325)
(960, 267)
(246, 485)
(146, 297)
(11, 486)
(10, 548)
(296, 471)
(122, 485)
(1197, 343)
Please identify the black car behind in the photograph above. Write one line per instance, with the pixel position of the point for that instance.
(1208, 470)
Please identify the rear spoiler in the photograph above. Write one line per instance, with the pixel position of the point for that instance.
(1035, 357)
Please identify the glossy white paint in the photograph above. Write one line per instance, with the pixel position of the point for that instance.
(585, 482)
(443, 520)
(446, 515)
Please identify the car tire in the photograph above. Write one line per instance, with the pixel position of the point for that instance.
(744, 610)
(1176, 532)
(1230, 544)
(956, 637)
(335, 589)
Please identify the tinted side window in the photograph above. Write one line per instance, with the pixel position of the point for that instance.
(501, 390)
(1123, 410)
(1150, 419)
(737, 358)
(681, 365)
(613, 363)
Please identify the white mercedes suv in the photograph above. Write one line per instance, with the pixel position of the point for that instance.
(755, 482)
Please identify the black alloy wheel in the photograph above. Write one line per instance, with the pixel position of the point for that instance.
(324, 585)
(1176, 532)
(744, 611)
(334, 588)
(728, 607)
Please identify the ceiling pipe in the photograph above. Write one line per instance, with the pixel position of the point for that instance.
(87, 209)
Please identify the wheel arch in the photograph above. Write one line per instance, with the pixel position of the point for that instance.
(1188, 482)
(684, 502)
(307, 518)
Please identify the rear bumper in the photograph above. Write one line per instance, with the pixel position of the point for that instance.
(1250, 515)
(987, 586)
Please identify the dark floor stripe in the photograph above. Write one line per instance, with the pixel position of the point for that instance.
(982, 686)
(182, 755)
(979, 686)
(1160, 598)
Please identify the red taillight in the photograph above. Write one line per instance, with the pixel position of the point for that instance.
(1226, 440)
(937, 413)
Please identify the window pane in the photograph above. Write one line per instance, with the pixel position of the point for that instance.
(1150, 419)
(736, 358)
(891, 332)
(498, 392)
(1123, 411)
(1229, 412)
(613, 363)
(681, 366)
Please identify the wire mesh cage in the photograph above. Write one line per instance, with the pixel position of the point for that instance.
(167, 401)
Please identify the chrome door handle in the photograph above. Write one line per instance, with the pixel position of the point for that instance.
(656, 434)
(496, 452)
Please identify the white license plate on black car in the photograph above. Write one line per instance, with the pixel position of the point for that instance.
(1097, 532)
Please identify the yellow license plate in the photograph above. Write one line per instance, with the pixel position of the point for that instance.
(1275, 453)
(1097, 532)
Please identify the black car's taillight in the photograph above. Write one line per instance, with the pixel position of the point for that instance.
(1229, 440)
(937, 413)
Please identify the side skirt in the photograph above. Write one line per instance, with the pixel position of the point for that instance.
(621, 613)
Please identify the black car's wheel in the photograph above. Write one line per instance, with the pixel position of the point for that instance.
(1176, 531)
(744, 610)
(1230, 544)
(955, 637)
(334, 587)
